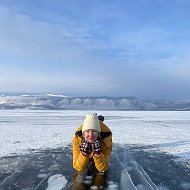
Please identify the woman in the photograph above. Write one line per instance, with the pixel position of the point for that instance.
(92, 145)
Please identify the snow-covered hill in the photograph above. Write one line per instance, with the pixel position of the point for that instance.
(60, 102)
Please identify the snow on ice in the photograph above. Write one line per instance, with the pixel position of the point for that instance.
(22, 130)
(56, 182)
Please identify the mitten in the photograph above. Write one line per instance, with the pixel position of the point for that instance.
(97, 146)
(85, 147)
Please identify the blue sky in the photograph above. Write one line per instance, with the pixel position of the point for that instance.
(96, 48)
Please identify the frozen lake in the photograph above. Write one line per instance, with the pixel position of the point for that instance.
(25, 130)
(35, 150)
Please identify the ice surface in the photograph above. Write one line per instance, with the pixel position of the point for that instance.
(56, 182)
(42, 175)
(48, 169)
(132, 176)
(25, 130)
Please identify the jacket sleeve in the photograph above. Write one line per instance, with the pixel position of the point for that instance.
(102, 161)
(80, 161)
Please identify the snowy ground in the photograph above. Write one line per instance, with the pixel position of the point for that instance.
(146, 134)
(22, 130)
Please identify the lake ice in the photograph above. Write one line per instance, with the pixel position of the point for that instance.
(23, 130)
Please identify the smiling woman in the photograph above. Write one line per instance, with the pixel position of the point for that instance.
(92, 146)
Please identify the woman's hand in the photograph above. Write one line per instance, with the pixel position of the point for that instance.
(96, 147)
(86, 147)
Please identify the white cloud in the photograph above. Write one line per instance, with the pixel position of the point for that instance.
(90, 54)
(20, 35)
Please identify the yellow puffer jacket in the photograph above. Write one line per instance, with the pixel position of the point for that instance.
(101, 161)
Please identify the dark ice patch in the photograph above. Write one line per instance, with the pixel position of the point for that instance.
(164, 169)
(33, 170)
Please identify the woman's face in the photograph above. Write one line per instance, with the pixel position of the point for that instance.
(90, 135)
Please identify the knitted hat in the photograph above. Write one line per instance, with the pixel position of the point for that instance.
(91, 122)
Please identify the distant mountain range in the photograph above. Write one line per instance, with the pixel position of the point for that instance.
(60, 102)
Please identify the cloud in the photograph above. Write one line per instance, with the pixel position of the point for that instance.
(130, 50)
(70, 41)
(24, 37)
